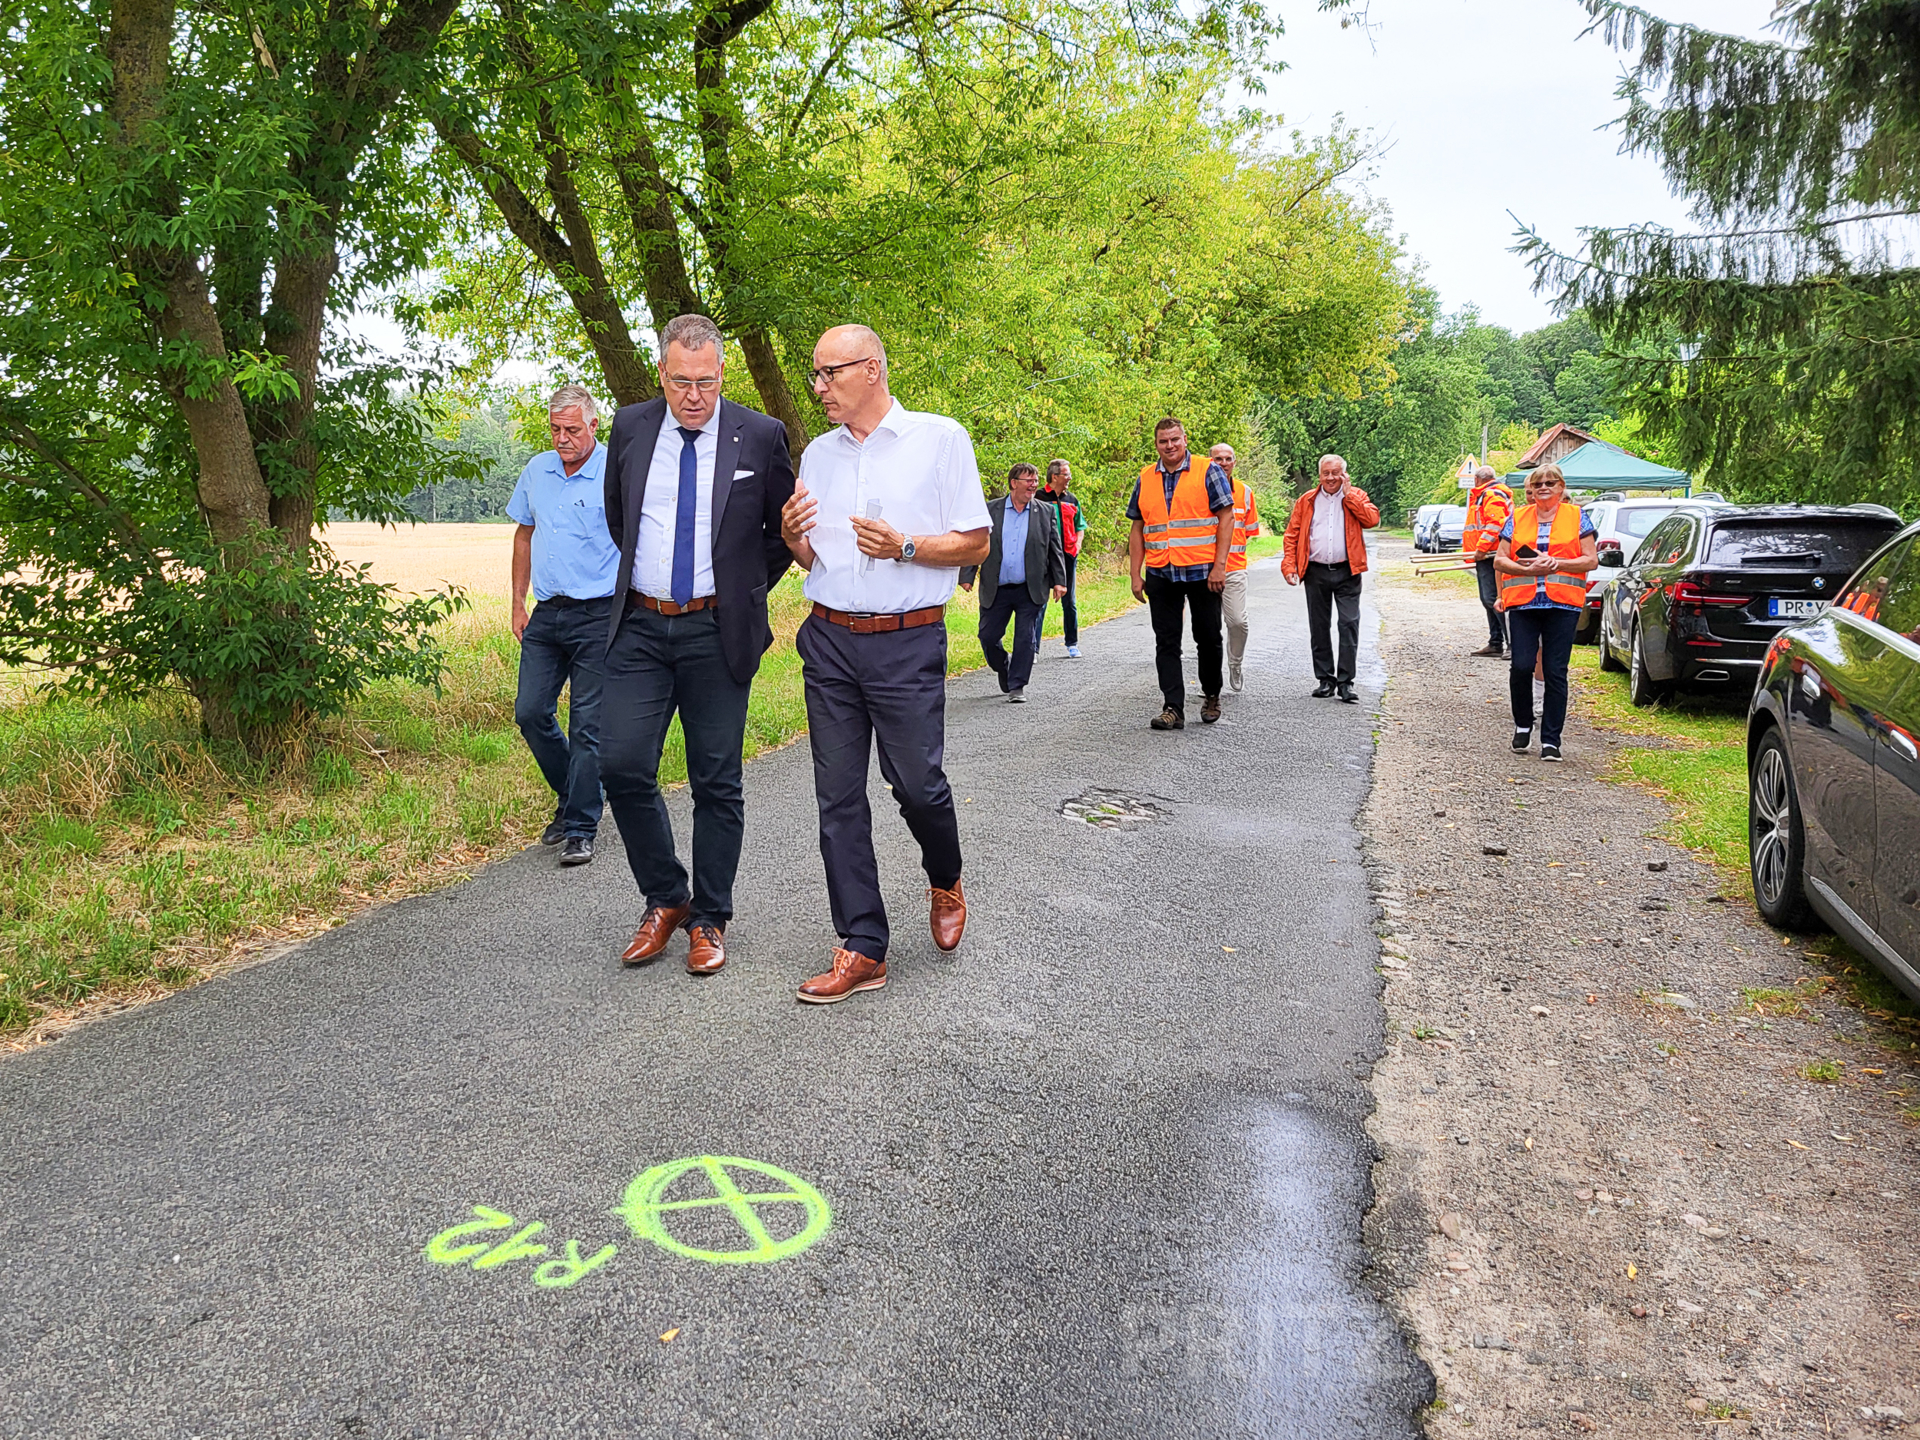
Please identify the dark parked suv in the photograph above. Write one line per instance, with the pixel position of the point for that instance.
(1833, 766)
(1711, 586)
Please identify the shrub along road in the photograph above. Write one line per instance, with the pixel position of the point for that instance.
(1100, 1172)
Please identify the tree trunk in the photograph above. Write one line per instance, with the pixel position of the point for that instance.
(232, 493)
(295, 321)
(771, 381)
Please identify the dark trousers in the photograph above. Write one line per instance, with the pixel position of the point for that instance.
(1328, 586)
(888, 688)
(1489, 579)
(1011, 602)
(1165, 602)
(1551, 632)
(660, 666)
(563, 648)
(1069, 610)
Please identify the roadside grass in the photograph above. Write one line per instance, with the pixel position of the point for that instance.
(1700, 770)
(135, 857)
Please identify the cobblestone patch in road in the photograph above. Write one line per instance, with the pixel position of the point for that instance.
(1615, 1195)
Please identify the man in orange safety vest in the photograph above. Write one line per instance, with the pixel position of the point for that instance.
(1182, 514)
(1489, 507)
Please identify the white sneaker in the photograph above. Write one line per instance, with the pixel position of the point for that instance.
(1233, 674)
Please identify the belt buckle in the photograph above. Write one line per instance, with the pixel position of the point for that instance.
(860, 622)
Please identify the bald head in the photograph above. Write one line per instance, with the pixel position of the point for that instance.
(850, 378)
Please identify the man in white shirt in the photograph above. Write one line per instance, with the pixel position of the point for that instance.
(887, 509)
(1326, 548)
(694, 490)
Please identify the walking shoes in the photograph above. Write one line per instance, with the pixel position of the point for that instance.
(655, 930)
(1233, 676)
(851, 972)
(1323, 690)
(1168, 719)
(1346, 695)
(555, 831)
(947, 914)
(707, 950)
(577, 850)
(1490, 650)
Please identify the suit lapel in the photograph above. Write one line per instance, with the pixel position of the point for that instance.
(639, 464)
(726, 459)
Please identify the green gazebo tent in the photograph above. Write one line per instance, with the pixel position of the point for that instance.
(1600, 466)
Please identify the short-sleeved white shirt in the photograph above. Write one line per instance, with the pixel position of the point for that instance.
(921, 472)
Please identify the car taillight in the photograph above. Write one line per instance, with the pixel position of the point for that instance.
(1685, 592)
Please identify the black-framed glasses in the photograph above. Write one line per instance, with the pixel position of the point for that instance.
(827, 372)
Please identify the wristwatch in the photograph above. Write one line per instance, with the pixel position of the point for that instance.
(907, 548)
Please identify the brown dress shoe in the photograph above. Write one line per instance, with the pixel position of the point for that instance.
(708, 950)
(654, 932)
(851, 971)
(947, 914)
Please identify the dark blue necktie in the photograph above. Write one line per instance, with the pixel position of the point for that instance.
(683, 517)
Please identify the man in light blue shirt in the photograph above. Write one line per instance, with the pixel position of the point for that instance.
(1025, 559)
(562, 549)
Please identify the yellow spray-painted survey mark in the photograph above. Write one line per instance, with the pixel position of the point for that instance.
(645, 1208)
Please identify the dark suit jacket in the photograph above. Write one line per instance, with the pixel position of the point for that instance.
(752, 479)
(1046, 554)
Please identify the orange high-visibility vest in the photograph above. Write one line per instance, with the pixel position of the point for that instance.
(1186, 534)
(1487, 511)
(1563, 587)
(1246, 524)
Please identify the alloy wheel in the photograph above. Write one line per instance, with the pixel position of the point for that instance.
(1772, 810)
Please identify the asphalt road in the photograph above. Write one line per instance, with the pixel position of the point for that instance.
(1099, 1173)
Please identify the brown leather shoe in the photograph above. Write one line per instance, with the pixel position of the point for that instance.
(851, 971)
(654, 932)
(1168, 719)
(947, 914)
(708, 950)
(1210, 710)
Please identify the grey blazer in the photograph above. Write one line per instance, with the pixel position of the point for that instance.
(1046, 553)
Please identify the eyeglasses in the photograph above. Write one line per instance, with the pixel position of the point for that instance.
(706, 384)
(827, 372)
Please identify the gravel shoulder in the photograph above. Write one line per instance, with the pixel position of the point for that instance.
(1609, 1198)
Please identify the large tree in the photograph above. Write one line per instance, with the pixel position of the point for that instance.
(1774, 347)
(191, 197)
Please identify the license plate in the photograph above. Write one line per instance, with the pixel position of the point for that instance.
(1780, 609)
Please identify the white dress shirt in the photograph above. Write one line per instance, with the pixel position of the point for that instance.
(921, 472)
(1327, 536)
(660, 511)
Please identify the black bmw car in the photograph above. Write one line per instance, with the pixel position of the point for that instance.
(1833, 766)
(1711, 586)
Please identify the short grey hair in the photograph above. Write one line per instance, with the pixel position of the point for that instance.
(1340, 458)
(1057, 468)
(1486, 472)
(574, 397)
(879, 348)
(690, 332)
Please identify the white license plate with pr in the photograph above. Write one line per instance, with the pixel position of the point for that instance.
(1794, 609)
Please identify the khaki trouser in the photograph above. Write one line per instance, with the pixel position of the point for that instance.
(1233, 606)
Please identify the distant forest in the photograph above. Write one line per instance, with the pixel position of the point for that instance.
(494, 437)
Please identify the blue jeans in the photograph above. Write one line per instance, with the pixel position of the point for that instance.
(660, 666)
(564, 646)
(1549, 632)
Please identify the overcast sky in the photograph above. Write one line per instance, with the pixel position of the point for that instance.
(1485, 106)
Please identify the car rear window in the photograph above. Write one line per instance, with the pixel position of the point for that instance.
(1830, 544)
(1638, 522)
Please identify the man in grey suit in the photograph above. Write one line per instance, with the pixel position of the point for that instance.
(694, 489)
(1027, 558)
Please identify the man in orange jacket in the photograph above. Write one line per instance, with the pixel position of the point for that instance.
(1326, 547)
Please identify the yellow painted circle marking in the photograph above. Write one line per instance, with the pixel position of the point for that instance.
(645, 1207)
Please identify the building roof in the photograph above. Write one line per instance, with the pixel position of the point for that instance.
(1560, 439)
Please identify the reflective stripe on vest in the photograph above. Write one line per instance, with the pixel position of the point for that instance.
(1246, 522)
(1563, 587)
(1185, 534)
(1482, 532)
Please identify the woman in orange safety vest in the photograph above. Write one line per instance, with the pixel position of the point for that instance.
(1545, 552)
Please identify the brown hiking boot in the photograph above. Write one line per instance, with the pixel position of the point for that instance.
(1490, 650)
(1210, 710)
(1168, 719)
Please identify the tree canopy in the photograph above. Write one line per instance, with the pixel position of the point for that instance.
(1774, 348)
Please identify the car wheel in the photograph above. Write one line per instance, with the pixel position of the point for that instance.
(1609, 661)
(1776, 837)
(1641, 689)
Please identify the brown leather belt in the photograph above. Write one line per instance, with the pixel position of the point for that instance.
(875, 624)
(667, 607)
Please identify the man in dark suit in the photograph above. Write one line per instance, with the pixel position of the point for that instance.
(1027, 558)
(694, 489)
